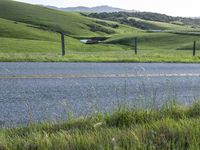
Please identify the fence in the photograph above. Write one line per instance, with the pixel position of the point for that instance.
(135, 46)
(153, 45)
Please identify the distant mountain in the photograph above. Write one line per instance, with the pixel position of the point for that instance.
(98, 9)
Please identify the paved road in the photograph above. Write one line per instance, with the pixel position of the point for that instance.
(49, 91)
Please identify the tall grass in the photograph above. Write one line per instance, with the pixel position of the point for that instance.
(170, 127)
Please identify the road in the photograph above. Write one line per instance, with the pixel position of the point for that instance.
(50, 91)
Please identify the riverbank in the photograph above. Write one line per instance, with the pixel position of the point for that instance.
(171, 127)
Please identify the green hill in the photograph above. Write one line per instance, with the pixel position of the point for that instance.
(30, 33)
(73, 24)
(158, 41)
(35, 29)
(157, 25)
(16, 37)
(124, 17)
(70, 23)
(13, 29)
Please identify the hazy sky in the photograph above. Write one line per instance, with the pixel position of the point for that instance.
(170, 7)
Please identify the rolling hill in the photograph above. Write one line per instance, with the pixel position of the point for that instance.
(13, 29)
(35, 29)
(45, 18)
(158, 41)
(73, 24)
(124, 17)
(31, 33)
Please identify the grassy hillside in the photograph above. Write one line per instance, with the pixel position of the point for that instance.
(17, 37)
(34, 30)
(158, 41)
(38, 32)
(171, 127)
(13, 29)
(72, 24)
(123, 17)
(156, 25)
(30, 33)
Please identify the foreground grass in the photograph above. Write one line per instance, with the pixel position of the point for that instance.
(171, 127)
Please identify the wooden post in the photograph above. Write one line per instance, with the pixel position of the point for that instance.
(63, 43)
(194, 48)
(136, 46)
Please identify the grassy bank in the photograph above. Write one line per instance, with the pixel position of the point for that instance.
(119, 56)
(171, 127)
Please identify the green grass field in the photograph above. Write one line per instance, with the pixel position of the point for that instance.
(30, 33)
(158, 41)
(170, 127)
